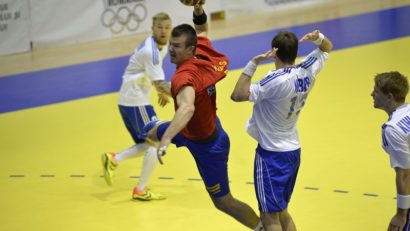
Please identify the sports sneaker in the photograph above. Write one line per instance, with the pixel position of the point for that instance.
(146, 195)
(109, 166)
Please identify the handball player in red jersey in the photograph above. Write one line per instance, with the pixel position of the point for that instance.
(195, 124)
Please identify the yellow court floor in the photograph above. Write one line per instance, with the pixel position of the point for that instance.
(51, 176)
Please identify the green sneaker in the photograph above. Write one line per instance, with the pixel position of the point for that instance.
(108, 166)
(146, 195)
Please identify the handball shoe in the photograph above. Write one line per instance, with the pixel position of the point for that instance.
(146, 195)
(108, 166)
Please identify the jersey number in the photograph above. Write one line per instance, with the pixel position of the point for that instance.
(296, 105)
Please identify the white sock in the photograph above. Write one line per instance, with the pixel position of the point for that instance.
(259, 227)
(150, 161)
(134, 151)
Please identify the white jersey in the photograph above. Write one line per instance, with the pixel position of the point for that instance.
(396, 137)
(278, 99)
(144, 66)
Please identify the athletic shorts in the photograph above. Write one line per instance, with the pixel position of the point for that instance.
(211, 158)
(275, 176)
(135, 119)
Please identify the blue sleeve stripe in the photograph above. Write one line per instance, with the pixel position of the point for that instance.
(271, 77)
(155, 53)
(309, 62)
(384, 139)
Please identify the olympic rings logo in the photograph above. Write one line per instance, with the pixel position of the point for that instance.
(124, 17)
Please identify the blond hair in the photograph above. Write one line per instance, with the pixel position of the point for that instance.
(160, 17)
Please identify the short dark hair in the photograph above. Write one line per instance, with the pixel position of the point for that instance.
(287, 45)
(188, 31)
(393, 82)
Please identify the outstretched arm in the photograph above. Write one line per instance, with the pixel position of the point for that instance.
(319, 39)
(185, 100)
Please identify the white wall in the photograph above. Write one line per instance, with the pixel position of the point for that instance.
(47, 23)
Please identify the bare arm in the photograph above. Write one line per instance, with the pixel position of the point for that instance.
(201, 30)
(403, 188)
(164, 91)
(241, 92)
(326, 45)
(185, 101)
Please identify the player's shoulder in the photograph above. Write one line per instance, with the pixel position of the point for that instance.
(146, 46)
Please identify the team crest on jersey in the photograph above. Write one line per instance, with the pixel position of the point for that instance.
(220, 66)
(211, 90)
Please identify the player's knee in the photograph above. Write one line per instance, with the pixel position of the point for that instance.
(270, 218)
(224, 204)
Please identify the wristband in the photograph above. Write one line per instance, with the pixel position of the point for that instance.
(249, 69)
(319, 39)
(403, 201)
(200, 19)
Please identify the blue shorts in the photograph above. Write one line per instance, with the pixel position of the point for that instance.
(211, 158)
(275, 176)
(135, 119)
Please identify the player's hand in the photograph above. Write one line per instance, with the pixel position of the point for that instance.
(312, 36)
(161, 151)
(397, 223)
(193, 2)
(267, 55)
(162, 99)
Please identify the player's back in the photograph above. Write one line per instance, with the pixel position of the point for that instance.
(278, 100)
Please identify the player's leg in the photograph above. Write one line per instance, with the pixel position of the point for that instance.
(271, 221)
(275, 176)
(211, 159)
(144, 115)
(286, 221)
(239, 210)
(133, 118)
(141, 192)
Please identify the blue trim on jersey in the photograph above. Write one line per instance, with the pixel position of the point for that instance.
(155, 52)
(142, 45)
(307, 63)
(271, 77)
(384, 139)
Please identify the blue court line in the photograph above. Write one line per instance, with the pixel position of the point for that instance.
(55, 85)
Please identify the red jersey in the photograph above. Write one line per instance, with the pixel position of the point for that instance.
(201, 72)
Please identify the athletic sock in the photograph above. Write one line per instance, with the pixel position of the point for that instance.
(134, 151)
(150, 161)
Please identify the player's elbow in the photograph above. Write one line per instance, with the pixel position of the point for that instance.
(238, 97)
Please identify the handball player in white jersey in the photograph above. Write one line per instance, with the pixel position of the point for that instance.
(389, 94)
(144, 70)
(278, 98)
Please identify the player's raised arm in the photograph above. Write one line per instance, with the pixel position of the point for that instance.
(319, 39)
(200, 19)
(199, 16)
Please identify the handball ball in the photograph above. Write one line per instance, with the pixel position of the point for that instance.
(192, 2)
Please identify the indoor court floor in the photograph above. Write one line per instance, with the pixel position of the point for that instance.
(56, 120)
